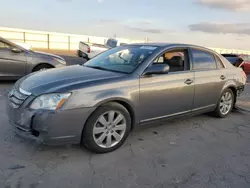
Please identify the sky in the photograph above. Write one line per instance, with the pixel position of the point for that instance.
(212, 23)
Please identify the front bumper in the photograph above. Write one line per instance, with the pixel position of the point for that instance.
(49, 127)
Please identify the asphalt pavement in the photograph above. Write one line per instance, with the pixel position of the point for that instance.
(196, 152)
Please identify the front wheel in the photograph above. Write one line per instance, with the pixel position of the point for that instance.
(42, 67)
(225, 104)
(107, 128)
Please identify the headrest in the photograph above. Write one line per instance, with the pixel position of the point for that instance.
(176, 61)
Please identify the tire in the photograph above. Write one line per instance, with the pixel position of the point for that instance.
(79, 53)
(42, 67)
(103, 137)
(219, 112)
(85, 56)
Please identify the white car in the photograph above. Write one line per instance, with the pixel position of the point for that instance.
(90, 50)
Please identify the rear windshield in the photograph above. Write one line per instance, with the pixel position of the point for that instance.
(235, 60)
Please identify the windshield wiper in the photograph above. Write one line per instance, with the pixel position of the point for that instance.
(97, 67)
(102, 68)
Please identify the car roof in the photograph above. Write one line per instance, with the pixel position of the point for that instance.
(159, 44)
(234, 54)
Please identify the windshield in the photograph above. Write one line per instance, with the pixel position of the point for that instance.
(123, 59)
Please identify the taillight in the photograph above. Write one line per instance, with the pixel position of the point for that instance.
(88, 50)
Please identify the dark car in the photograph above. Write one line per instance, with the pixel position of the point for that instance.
(239, 60)
(100, 102)
(16, 61)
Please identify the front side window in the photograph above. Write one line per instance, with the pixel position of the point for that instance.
(203, 60)
(123, 59)
(176, 59)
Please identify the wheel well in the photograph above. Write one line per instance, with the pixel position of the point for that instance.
(129, 109)
(235, 93)
(41, 65)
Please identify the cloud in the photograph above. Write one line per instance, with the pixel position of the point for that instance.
(138, 22)
(64, 0)
(100, 1)
(133, 25)
(233, 5)
(233, 28)
(108, 21)
(146, 30)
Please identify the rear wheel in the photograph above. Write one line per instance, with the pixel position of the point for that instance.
(107, 128)
(79, 53)
(85, 56)
(225, 104)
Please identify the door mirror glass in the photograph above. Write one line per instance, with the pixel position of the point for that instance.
(16, 50)
(157, 69)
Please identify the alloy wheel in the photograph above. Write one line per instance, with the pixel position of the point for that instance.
(109, 129)
(226, 103)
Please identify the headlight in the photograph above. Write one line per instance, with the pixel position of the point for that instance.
(52, 101)
(61, 61)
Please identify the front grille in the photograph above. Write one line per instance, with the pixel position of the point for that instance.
(17, 98)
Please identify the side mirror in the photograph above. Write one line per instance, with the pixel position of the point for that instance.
(157, 69)
(16, 50)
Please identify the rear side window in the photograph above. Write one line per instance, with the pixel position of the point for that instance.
(203, 60)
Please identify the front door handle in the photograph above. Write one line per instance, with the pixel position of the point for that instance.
(222, 77)
(188, 81)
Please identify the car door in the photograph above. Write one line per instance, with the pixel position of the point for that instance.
(166, 95)
(209, 79)
(12, 63)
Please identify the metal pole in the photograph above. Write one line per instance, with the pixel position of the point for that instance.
(24, 37)
(69, 42)
(48, 41)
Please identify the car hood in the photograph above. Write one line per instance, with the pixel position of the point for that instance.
(63, 79)
(44, 54)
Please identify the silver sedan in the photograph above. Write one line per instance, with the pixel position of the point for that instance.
(100, 102)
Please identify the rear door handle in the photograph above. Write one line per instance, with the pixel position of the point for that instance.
(188, 81)
(222, 77)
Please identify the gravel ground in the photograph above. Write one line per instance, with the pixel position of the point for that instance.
(200, 151)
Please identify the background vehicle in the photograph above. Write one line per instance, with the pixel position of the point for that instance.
(120, 88)
(17, 61)
(239, 60)
(88, 51)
